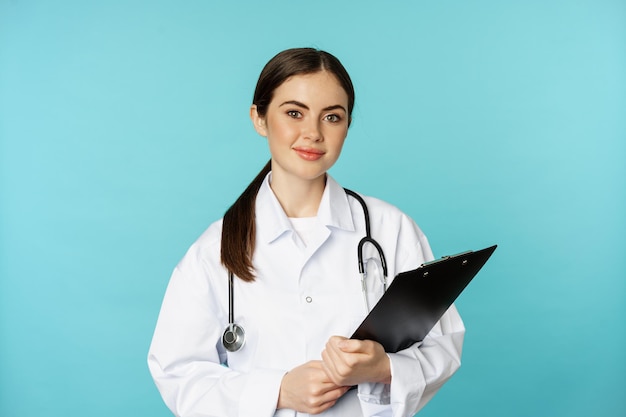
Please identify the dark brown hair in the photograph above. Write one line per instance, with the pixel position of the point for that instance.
(238, 229)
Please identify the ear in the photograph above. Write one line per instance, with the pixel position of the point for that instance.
(258, 121)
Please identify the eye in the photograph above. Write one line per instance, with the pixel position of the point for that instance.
(294, 114)
(333, 118)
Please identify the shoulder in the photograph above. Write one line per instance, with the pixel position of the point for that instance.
(399, 231)
(206, 248)
(380, 210)
(212, 235)
(384, 207)
(383, 212)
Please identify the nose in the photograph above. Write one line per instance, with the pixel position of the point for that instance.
(313, 131)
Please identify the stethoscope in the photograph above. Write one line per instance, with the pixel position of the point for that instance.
(234, 336)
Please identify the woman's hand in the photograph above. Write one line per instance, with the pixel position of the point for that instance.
(349, 362)
(307, 389)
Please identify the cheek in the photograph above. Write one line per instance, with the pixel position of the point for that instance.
(338, 141)
(281, 133)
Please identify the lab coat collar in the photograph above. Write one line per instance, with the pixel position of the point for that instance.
(272, 222)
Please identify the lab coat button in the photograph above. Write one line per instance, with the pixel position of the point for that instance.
(309, 300)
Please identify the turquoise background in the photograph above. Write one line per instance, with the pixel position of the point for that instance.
(124, 133)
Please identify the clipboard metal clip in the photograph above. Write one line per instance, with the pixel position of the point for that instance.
(445, 258)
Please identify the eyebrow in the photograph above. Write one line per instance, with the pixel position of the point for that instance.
(304, 106)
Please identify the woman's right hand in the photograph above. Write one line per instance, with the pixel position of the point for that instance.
(307, 389)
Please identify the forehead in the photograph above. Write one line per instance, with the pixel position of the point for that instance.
(318, 87)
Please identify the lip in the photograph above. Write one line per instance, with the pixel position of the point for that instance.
(309, 154)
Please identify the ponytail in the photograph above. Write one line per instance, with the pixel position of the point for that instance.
(239, 230)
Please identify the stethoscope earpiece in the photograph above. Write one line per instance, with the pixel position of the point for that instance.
(234, 337)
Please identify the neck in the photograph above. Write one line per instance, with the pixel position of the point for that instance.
(299, 198)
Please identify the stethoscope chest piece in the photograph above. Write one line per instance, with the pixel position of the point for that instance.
(233, 337)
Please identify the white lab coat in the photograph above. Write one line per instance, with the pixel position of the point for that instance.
(303, 294)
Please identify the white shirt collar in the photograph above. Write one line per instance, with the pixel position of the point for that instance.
(272, 222)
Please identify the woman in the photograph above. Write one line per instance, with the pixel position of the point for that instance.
(290, 242)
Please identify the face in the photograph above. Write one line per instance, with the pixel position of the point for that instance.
(306, 124)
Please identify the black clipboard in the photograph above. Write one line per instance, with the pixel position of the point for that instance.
(416, 300)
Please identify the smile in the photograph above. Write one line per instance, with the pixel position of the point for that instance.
(309, 154)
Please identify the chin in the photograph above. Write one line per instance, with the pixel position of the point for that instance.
(312, 176)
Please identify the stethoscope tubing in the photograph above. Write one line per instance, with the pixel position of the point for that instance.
(234, 336)
(368, 236)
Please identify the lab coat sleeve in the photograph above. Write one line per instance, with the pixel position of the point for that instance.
(184, 358)
(419, 371)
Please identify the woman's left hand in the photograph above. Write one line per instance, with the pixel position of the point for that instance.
(350, 361)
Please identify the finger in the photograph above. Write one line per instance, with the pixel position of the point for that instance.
(320, 371)
(339, 370)
(352, 346)
(343, 344)
(336, 339)
(329, 365)
(332, 399)
(336, 345)
(320, 378)
(335, 358)
(322, 396)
